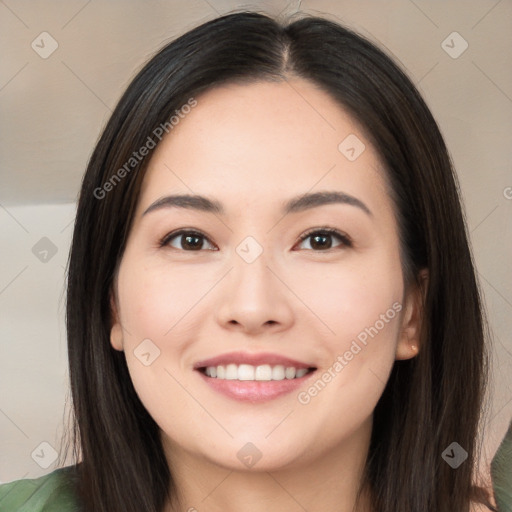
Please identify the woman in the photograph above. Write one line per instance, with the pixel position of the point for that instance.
(271, 299)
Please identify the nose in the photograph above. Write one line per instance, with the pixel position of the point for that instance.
(254, 298)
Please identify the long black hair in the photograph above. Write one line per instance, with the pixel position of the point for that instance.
(429, 402)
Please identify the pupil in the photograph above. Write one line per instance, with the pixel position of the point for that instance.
(192, 245)
(321, 246)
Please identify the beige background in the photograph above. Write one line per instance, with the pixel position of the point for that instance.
(52, 111)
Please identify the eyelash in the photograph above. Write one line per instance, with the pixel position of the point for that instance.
(346, 241)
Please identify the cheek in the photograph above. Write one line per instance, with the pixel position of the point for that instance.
(155, 301)
(353, 297)
(158, 312)
(360, 307)
(354, 373)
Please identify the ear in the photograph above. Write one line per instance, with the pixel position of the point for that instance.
(116, 330)
(409, 338)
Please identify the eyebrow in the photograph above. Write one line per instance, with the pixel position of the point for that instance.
(293, 205)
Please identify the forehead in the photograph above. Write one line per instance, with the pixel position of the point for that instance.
(260, 140)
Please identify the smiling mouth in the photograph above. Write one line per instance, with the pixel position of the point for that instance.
(247, 372)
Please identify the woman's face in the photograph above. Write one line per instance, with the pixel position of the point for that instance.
(259, 286)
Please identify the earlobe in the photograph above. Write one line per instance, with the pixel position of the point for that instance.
(406, 348)
(409, 345)
(116, 331)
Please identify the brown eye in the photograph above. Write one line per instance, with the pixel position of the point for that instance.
(187, 240)
(321, 239)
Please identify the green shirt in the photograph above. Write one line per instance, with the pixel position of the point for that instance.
(50, 493)
(501, 471)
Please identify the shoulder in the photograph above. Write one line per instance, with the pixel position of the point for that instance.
(50, 493)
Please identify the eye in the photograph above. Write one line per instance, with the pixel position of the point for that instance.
(189, 240)
(321, 239)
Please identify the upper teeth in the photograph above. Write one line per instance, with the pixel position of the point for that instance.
(249, 372)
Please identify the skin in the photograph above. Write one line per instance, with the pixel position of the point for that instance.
(252, 147)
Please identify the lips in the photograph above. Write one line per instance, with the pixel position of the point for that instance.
(275, 375)
(255, 359)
